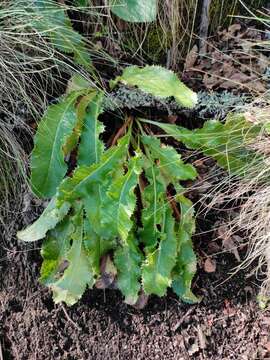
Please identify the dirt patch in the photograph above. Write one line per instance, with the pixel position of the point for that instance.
(227, 324)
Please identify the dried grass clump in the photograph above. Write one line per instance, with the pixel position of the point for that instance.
(247, 203)
(254, 215)
(31, 67)
(32, 73)
(13, 164)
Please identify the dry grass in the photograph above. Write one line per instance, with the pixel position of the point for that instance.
(168, 40)
(247, 204)
(33, 72)
(13, 181)
(253, 218)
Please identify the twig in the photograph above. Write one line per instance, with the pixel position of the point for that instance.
(121, 131)
(1, 352)
(174, 206)
(69, 319)
(204, 26)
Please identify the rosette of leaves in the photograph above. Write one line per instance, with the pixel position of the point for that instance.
(124, 201)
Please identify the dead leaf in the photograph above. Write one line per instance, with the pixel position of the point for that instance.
(191, 58)
(267, 346)
(202, 338)
(230, 242)
(250, 117)
(232, 62)
(256, 86)
(228, 309)
(194, 348)
(236, 79)
(230, 33)
(142, 301)
(172, 119)
(263, 62)
(108, 274)
(210, 265)
(211, 80)
(213, 247)
(228, 69)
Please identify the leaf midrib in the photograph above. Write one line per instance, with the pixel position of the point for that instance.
(120, 198)
(81, 183)
(54, 150)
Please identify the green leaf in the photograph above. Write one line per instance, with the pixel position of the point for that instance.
(95, 246)
(90, 151)
(168, 161)
(77, 82)
(135, 10)
(54, 251)
(226, 143)
(127, 259)
(86, 177)
(159, 82)
(47, 221)
(82, 56)
(47, 161)
(91, 147)
(82, 3)
(81, 113)
(92, 200)
(78, 275)
(153, 199)
(120, 202)
(186, 259)
(158, 266)
(51, 20)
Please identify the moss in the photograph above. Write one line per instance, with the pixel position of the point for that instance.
(167, 40)
(157, 43)
(151, 41)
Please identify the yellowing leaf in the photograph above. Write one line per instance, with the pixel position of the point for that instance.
(159, 82)
(186, 262)
(83, 103)
(158, 265)
(120, 202)
(79, 274)
(128, 260)
(47, 161)
(47, 220)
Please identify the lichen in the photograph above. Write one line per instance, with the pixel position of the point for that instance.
(214, 104)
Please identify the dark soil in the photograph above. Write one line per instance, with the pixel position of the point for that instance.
(227, 324)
